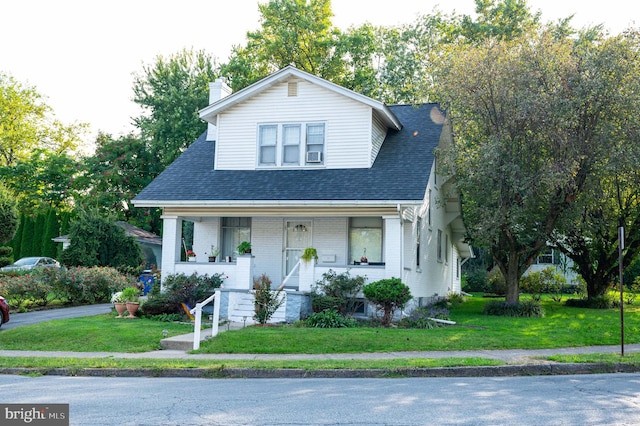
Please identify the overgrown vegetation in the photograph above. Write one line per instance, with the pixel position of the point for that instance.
(336, 292)
(67, 286)
(267, 301)
(179, 288)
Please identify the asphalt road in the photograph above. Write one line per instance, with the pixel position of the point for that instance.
(26, 318)
(539, 400)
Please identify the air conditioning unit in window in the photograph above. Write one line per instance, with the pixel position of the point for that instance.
(314, 157)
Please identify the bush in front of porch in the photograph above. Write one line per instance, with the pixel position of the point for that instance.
(336, 292)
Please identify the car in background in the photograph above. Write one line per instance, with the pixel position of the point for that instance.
(4, 311)
(31, 263)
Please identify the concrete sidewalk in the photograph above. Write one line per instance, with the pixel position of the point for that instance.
(517, 361)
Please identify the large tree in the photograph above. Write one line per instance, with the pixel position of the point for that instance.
(171, 91)
(293, 32)
(27, 122)
(589, 235)
(528, 116)
(118, 170)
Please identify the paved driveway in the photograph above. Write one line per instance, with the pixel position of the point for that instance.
(18, 319)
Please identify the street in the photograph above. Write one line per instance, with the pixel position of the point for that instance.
(549, 400)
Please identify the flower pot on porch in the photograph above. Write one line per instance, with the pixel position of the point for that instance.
(191, 259)
(212, 258)
(132, 308)
(120, 308)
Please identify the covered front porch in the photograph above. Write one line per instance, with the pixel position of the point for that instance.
(277, 244)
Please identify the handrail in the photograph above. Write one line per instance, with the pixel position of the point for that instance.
(296, 266)
(198, 321)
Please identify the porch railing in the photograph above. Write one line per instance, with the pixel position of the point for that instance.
(288, 277)
(198, 321)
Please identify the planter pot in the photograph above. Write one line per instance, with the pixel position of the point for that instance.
(132, 307)
(191, 259)
(212, 258)
(120, 308)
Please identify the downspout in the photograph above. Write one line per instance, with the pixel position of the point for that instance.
(401, 241)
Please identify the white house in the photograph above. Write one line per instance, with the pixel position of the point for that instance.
(294, 161)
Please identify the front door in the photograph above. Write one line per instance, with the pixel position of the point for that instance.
(297, 238)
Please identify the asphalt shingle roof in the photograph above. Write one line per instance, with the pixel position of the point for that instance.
(400, 172)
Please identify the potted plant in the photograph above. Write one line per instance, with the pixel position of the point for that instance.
(119, 303)
(244, 247)
(309, 253)
(191, 256)
(214, 253)
(131, 297)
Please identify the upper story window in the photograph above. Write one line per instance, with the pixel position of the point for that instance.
(291, 144)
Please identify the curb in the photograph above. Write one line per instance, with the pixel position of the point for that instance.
(295, 373)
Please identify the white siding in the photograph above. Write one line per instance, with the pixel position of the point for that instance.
(348, 125)
(379, 132)
(330, 239)
(267, 244)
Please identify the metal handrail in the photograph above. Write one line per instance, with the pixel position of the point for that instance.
(198, 321)
(286, 279)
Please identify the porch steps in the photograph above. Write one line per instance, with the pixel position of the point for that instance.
(243, 310)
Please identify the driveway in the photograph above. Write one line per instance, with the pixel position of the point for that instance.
(26, 318)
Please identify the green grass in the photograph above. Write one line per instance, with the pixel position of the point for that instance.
(110, 362)
(100, 333)
(561, 327)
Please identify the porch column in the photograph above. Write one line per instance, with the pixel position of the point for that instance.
(171, 233)
(393, 246)
(244, 272)
(305, 274)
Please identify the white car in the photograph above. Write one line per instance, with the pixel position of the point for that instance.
(31, 263)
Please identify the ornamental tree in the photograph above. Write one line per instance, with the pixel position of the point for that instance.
(388, 295)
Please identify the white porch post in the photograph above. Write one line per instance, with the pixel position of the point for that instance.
(171, 244)
(393, 246)
(305, 274)
(244, 272)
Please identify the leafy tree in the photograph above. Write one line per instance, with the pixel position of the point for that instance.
(293, 32)
(171, 92)
(8, 224)
(28, 123)
(388, 294)
(497, 19)
(589, 235)
(529, 115)
(117, 171)
(98, 241)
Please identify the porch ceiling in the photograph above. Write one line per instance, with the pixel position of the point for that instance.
(284, 211)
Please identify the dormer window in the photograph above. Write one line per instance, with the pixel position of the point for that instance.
(291, 144)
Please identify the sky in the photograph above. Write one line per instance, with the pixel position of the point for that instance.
(81, 55)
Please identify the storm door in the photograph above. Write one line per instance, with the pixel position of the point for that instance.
(297, 238)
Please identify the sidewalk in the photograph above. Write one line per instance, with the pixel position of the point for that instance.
(517, 361)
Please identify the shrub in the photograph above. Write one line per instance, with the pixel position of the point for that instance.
(388, 295)
(496, 283)
(266, 301)
(336, 291)
(525, 308)
(475, 282)
(330, 319)
(159, 304)
(423, 317)
(605, 301)
(190, 289)
(544, 281)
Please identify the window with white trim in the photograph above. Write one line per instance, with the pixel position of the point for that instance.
(291, 144)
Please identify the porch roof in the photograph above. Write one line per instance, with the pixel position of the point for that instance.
(400, 173)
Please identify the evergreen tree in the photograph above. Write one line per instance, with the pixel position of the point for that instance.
(51, 230)
(26, 241)
(17, 238)
(38, 232)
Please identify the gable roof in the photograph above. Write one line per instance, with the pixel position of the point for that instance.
(380, 109)
(399, 174)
